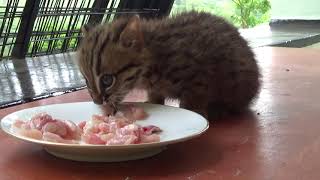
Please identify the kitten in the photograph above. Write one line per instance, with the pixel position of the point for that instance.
(195, 57)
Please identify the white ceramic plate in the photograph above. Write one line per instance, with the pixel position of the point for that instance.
(177, 124)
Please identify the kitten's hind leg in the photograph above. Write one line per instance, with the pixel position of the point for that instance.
(155, 98)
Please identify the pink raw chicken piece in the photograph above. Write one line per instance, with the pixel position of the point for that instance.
(23, 128)
(82, 124)
(99, 118)
(129, 134)
(115, 125)
(57, 127)
(91, 138)
(90, 127)
(148, 130)
(18, 123)
(104, 128)
(31, 133)
(123, 140)
(120, 119)
(39, 120)
(65, 129)
(106, 137)
(113, 130)
(131, 129)
(150, 138)
(95, 128)
(48, 136)
(73, 131)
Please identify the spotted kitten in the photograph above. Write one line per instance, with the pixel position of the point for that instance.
(195, 57)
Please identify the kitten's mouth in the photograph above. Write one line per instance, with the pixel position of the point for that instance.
(111, 104)
(112, 101)
(109, 108)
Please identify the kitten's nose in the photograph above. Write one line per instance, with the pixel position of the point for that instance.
(96, 99)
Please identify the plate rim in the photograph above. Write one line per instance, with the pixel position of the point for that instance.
(86, 146)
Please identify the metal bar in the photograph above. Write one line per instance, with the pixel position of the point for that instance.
(164, 6)
(55, 23)
(53, 7)
(3, 25)
(47, 24)
(56, 26)
(98, 7)
(36, 26)
(71, 32)
(66, 41)
(112, 5)
(84, 13)
(28, 18)
(85, 17)
(15, 31)
(11, 7)
(7, 44)
(14, 16)
(9, 26)
(58, 38)
(64, 19)
(44, 22)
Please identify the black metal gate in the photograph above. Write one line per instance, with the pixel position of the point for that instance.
(42, 27)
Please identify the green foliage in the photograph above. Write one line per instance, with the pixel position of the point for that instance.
(241, 13)
(200, 5)
(249, 13)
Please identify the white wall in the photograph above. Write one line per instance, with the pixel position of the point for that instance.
(295, 9)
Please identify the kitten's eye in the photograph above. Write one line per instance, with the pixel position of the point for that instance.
(107, 80)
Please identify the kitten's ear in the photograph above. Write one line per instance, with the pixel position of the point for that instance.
(85, 29)
(131, 36)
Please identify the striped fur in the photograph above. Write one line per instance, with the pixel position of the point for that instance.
(195, 57)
